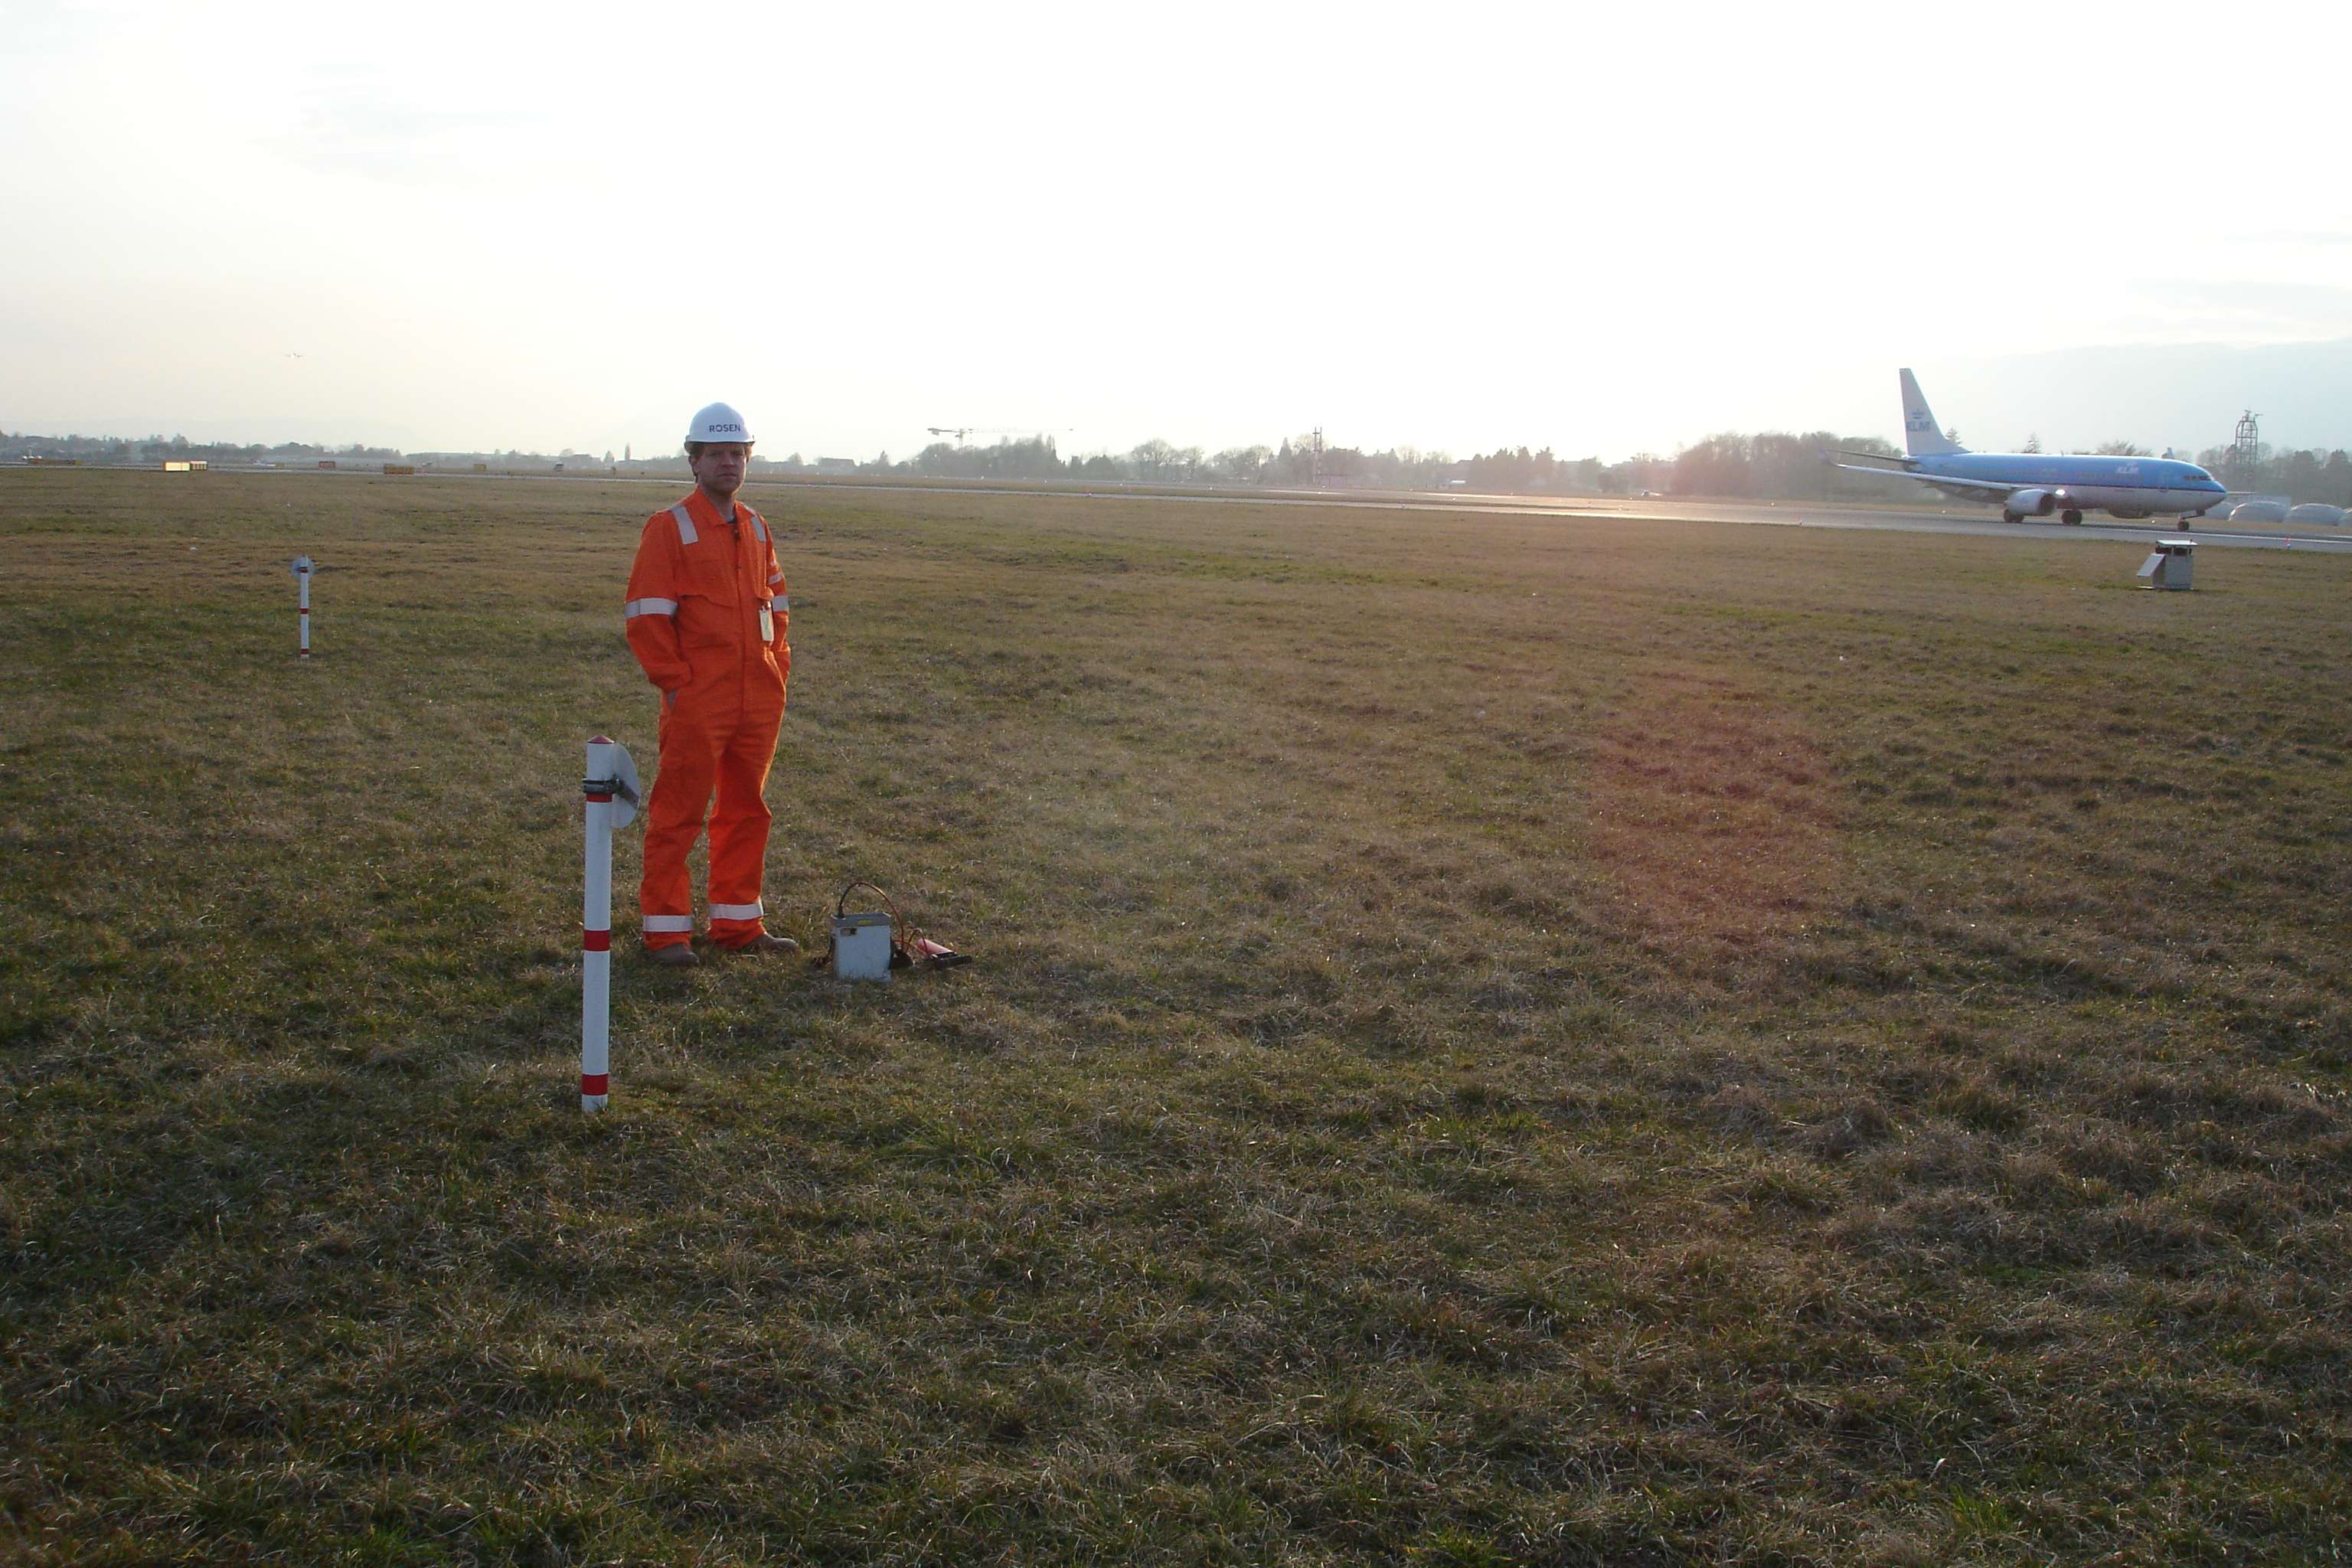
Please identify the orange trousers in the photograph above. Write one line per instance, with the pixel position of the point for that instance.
(715, 740)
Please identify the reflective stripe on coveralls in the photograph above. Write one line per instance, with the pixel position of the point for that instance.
(697, 601)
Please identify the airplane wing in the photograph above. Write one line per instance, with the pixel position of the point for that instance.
(1992, 487)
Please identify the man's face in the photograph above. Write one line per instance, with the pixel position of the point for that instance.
(720, 467)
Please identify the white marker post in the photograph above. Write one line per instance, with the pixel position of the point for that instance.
(302, 570)
(611, 787)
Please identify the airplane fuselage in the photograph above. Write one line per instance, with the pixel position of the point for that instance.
(2128, 487)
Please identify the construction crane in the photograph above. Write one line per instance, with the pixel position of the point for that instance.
(961, 431)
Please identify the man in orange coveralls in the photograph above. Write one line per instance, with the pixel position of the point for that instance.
(705, 615)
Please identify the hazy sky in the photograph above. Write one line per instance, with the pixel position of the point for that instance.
(493, 226)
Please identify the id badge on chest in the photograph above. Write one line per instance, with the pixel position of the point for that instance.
(767, 624)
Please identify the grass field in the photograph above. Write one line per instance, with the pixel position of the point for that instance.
(1494, 1040)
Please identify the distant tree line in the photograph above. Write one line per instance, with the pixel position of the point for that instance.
(2306, 475)
(1293, 463)
(175, 449)
(1777, 466)
(1772, 466)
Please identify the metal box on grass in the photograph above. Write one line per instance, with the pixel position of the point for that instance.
(2171, 566)
(861, 946)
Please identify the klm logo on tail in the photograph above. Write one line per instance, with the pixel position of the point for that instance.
(1921, 435)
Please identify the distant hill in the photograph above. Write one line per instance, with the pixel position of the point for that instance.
(2185, 396)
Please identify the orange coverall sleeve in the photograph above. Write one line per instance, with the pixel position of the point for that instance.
(650, 615)
(780, 598)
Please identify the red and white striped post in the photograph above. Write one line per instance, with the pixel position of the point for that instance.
(596, 928)
(612, 790)
(302, 570)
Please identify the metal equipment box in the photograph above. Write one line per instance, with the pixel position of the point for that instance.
(861, 946)
(2172, 567)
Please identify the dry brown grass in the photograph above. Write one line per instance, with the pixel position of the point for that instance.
(1496, 1040)
(1715, 817)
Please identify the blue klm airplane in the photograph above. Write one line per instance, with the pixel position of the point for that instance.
(2030, 484)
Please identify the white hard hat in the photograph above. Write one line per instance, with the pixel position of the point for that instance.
(719, 422)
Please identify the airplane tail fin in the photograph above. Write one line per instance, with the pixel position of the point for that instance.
(1921, 436)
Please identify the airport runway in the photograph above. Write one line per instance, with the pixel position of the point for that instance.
(1659, 510)
(1798, 516)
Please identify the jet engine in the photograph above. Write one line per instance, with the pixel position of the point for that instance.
(2029, 503)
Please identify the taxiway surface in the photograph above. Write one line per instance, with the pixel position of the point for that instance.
(1792, 514)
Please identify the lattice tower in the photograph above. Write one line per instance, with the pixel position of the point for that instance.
(2246, 447)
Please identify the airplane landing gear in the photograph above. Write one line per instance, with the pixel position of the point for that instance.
(2071, 517)
(2008, 516)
